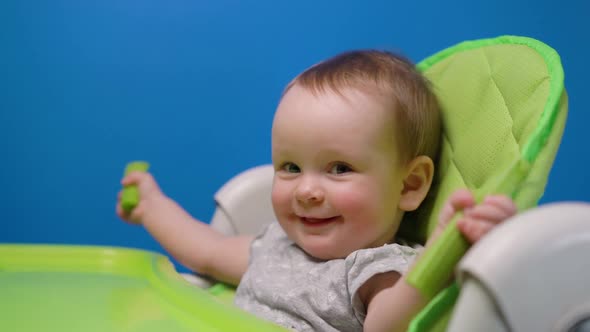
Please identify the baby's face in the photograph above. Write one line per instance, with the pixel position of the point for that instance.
(338, 177)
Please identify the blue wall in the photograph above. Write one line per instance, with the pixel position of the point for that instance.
(191, 86)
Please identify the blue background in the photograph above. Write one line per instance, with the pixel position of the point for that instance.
(191, 86)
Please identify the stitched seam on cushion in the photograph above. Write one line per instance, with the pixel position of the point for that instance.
(452, 160)
(503, 100)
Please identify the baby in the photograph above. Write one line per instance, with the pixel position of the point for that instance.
(354, 140)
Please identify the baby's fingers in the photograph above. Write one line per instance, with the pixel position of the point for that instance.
(144, 181)
(119, 210)
(494, 209)
(503, 202)
(474, 230)
(134, 178)
(459, 200)
(128, 216)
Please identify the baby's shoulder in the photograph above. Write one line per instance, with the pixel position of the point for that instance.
(386, 251)
(386, 258)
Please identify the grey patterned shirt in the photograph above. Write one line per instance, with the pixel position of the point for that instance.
(286, 286)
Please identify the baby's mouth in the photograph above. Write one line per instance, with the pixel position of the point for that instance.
(316, 222)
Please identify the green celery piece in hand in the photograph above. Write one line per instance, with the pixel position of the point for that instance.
(130, 194)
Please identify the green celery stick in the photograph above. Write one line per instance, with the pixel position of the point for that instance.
(130, 194)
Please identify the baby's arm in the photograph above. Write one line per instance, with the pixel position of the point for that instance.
(192, 242)
(391, 302)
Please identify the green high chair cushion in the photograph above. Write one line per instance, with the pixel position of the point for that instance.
(504, 108)
(500, 99)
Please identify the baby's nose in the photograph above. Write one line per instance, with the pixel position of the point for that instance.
(309, 192)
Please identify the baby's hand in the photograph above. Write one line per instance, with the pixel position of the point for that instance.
(477, 219)
(149, 196)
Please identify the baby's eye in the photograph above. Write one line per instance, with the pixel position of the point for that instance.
(290, 168)
(340, 168)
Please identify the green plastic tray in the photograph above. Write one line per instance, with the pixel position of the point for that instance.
(84, 288)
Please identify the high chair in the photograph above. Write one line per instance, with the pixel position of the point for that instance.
(504, 110)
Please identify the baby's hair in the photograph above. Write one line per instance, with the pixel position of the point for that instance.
(384, 74)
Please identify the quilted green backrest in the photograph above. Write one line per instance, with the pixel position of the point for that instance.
(504, 108)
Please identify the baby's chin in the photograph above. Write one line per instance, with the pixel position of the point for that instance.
(325, 252)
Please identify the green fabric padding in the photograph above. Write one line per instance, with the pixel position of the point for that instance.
(504, 94)
(504, 108)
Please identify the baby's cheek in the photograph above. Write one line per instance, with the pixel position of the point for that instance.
(280, 198)
(354, 202)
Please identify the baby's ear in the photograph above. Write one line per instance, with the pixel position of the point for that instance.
(417, 181)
